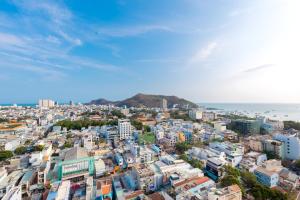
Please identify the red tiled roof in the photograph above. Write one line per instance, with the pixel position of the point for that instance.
(197, 180)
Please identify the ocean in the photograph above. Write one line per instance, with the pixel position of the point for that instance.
(21, 104)
(273, 111)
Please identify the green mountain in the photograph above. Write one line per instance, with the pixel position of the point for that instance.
(147, 100)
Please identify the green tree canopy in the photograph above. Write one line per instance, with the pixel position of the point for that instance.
(20, 150)
(137, 124)
(4, 155)
(181, 147)
(39, 147)
(229, 180)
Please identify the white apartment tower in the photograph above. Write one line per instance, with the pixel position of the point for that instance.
(124, 127)
(88, 142)
(164, 104)
(46, 103)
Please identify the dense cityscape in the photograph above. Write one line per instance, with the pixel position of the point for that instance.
(85, 151)
(149, 100)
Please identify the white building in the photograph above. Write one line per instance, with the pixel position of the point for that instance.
(100, 168)
(159, 134)
(208, 116)
(195, 114)
(164, 104)
(13, 194)
(124, 127)
(88, 141)
(63, 191)
(220, 126)
(43, 172)
(12, 144)
(234, 152)
(125, 111)
(291, 147)
(36, 158)
(46, 103)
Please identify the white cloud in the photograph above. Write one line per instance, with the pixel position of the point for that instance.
(57, 12)
(159, 60)
(10, 39)
(258, 68)
(203, 53)
(45, 54)
(74, 41)
(53, 39)
(131, 30)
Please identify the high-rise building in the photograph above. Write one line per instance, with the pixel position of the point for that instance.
(71, 103)
(246, 127)
(164, 104)
(124, 127)
(88, 142)
(46, 103)
(195, 114)
(291, 145)
(125, 111)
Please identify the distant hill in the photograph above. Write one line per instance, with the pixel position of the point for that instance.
(147, 100)
(101, 102)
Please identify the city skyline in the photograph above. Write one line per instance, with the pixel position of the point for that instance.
(203, 51)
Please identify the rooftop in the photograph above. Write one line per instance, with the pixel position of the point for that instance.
(75, 153)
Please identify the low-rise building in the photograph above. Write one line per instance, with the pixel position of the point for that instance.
(26, 182)
(214, 168)
(193, 188)
(76, 166)
(43, 172)
(274, 146)
(229, 193)
(104, 189)
(9, 182)
(266, 177)
(13, 194)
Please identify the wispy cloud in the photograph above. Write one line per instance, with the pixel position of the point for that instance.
(47, 50)
(159, 60)
(57, 12)
(203, 53)
(239, 11)
(131, 30)
(10, 39)
(258, 68)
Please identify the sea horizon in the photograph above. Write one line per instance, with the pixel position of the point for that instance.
(276, 111)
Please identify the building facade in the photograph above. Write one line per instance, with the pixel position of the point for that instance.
(124, 127)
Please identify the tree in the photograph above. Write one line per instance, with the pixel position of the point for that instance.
(83, 123)
(68, 144)
(181, 147)
(229, 180)
(147, 128)
(69, 135)
(291, 124)
(118, 114)
(271, 155)
(137, 124)
(20, 150)
(297, 163)
(39, 147)
(193, 162)
(28, 142)
(248, 179)
(3, 120)
(196, 163)
(232, 171)
(5, 155)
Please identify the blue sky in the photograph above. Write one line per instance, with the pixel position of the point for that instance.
(205, 51)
